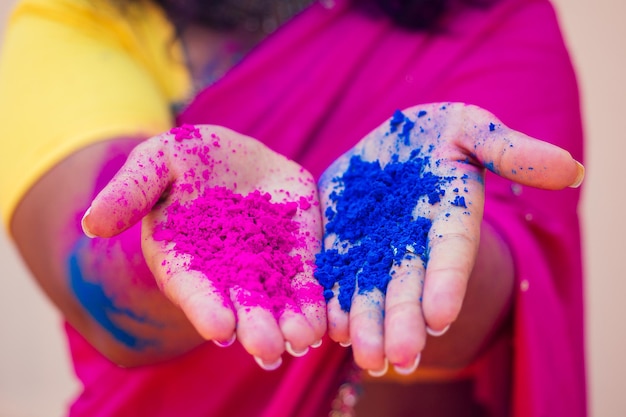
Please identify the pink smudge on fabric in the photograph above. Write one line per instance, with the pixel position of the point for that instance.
(245, 242)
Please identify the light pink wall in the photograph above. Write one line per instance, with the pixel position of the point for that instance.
(35, 375)
(596, 32)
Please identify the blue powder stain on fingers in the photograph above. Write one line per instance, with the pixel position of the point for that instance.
(491, 167)
(99, 306)
(373, 213)
(406, 131)
(399, 119)
(396, 120)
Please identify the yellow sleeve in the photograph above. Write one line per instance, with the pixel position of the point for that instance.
(73, 72)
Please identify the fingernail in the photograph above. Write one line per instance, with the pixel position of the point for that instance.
(269, 366)
(345, 344)
(82, 224)
(378, 374)
(293, 352)
(580, 177)
(317, 344)
(437, 333)
(410, 369)
(226, 343)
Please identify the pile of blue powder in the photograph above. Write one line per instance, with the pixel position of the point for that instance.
(373, 218)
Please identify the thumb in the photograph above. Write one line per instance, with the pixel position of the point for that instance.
(131, 193)
(520, 158)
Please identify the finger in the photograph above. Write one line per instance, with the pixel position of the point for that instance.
(338, 320)
(518, 157)
(366, 331)
(453, 244)
(307, 291)
(132, 192)
(338, 316)
(297, 331)
(309, 300)
(258, 330)
(405, 330)
(208, 310)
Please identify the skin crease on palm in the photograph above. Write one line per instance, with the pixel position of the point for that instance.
(464, 139)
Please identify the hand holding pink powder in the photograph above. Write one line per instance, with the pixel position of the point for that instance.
(403, 216)
(230, 231)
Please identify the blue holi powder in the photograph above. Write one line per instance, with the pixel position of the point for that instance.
(490, 166)
(396, 120)
(459, 201)
(406, 131)
(376, 223)
(93, 299)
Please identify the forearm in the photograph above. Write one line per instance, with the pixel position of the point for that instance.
(485, 308)
(46, 228)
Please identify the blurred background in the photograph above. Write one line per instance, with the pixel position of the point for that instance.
(36, 379)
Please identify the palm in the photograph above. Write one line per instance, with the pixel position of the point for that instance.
(403, 211)
(230, 229)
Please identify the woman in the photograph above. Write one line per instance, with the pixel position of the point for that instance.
(310, 90)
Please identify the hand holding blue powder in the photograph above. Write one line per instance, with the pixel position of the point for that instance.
(403, 212)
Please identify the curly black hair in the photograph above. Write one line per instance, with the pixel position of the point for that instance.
(414, 14)
(411, 14)
(419, 14)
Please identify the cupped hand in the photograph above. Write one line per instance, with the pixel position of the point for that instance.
(229, 231)
(402, 214)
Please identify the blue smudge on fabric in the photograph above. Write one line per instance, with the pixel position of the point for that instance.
(100, 306)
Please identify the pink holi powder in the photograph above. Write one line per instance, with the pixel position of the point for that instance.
(185, 132)
(304, 203)
(242, 241)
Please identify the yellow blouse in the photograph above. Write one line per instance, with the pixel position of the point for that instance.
(73, 72)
